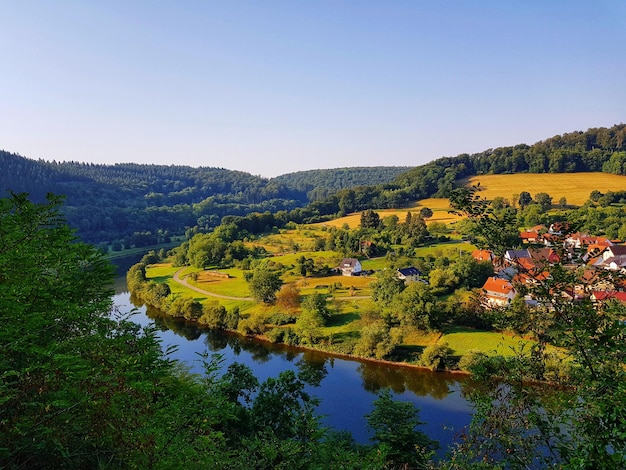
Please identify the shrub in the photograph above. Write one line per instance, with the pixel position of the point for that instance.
(471, 360)
(214, 315)
(231, 320)
(279, 319)
(290, 337)
(378, 341)
(275, 335)
(436, 357)
(252, 325)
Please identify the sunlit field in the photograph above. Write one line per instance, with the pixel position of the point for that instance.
(439, 206)
(575, 187)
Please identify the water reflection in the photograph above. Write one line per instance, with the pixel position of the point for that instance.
(377, 376)
(346, 388)
(312, 371)
(177, 325)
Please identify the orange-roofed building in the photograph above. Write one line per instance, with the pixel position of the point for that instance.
(482, 255)
(530, 237)
(602, 296)
(498, 292)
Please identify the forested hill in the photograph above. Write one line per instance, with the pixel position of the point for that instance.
(318, 184)
(144, 204)
(597, 149)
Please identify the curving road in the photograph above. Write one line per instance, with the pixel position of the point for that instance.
(183, 282)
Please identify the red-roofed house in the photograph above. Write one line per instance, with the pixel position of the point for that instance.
(602, 296)
(482, 255)
(580, 240)
(530, 237)
(498, 292)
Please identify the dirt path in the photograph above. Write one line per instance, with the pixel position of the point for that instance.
(183, 282)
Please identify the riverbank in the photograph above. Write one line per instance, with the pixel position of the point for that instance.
(261, 338)
(350, 319)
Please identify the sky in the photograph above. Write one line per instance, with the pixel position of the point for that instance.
(271, 87)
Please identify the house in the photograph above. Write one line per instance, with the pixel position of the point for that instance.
(410, 274)
(551, 239)
(602, 296)
(498, 292)
(529, 236)
(612, 258)
(544, 255)
(513, 256)
(581, 240)
(482, 255)
(350, 267)
(613, 251)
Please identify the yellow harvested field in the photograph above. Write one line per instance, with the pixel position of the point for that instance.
(575, 187)
(440, 208)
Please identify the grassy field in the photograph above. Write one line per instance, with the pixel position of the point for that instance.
(463, 340)
(440, 208)
(575, 187)
(285, 241)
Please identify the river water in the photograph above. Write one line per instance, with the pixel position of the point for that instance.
(345, 387)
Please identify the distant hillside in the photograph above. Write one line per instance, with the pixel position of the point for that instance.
(144, 204)
(318, 184)
(126, 201)
(595, 150)
(574, 187)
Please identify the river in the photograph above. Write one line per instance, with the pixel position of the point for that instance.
(345, 387)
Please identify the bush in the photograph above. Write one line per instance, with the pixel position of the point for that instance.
(275, 335)
(378, 341)
(252, 325)
(437, 357)
(290, 337)
(471, 360)
(279, 319)
(214, 315)
(231, 321)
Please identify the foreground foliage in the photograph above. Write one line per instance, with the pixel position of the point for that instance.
(84, 387)
(581, 423)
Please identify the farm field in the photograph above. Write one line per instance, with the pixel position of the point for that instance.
(575, 187)
(439, 206)
(350, 296)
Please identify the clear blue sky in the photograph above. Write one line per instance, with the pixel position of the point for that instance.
(271, 87)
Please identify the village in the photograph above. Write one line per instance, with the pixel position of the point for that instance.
(593, 255)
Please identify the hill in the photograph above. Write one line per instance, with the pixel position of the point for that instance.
(139, 205)
(145, 204)
(318, 184)
(595, 150)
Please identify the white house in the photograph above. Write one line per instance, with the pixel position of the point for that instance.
(498, 292)
(410, 274)
(350, 266)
